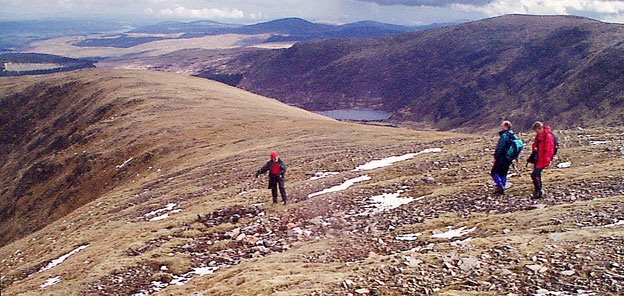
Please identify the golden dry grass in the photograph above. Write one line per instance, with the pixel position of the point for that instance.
(194, 127)
(207, 140)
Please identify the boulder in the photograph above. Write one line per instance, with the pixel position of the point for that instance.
(470, 263)
(234, 233)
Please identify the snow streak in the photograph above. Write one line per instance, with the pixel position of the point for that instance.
(371, 165)
(342, 186)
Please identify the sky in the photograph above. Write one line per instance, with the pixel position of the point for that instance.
(403, 12)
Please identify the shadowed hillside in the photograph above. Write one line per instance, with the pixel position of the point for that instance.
(69, 139)
(567, 70)
(141, 183)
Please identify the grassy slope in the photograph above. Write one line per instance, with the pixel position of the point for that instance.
(210, 138)
(203, 139)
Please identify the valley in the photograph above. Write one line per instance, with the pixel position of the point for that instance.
(562, 69)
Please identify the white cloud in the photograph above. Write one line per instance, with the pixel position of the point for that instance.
(216, 13)
(562, 7)
(406, 12)
(256, 16)
(616, 18)
(66, 4)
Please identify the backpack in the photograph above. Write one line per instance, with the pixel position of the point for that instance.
(556, 143)
(515, 148)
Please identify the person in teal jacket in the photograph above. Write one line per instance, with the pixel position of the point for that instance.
(501, 163)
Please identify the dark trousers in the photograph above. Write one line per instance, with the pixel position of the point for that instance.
(499, 173)
(536, 176)
(275, 182)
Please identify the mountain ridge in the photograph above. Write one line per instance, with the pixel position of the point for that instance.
(50, 130)
(69, 136)
(447, 76)
(295, 28)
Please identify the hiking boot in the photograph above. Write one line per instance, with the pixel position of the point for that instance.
(499, 190)
(537, 195)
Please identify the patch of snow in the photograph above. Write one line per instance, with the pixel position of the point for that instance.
(50, 282)
(168, 207)
(180, 280)
(201, 271)
(418, 249)
(187, 277)
(621, 222)
(461, 242)
(371, 165)
(408, 237)
(245, 192)
(459, 232)
(161, 217)
(142, 293)
(342, 186)
(158, 285)
(121, 166)
(618, 223)
(544, 292)
(564, 165)
(298, 231)
(60, 260)
(386, 201)
(321, 175)
(596, 143)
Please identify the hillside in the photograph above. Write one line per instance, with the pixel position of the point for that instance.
(68, 136)
(191, 46)
(141, 183)
(566, 70)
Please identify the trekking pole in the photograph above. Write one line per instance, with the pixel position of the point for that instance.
(517, 170)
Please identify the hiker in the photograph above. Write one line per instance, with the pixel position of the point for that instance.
(543, 152)
(276, 169)
(501, 161)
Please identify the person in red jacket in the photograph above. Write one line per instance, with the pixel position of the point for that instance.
(544, 150)
(276, 168)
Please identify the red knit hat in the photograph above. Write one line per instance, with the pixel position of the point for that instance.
(274, 155)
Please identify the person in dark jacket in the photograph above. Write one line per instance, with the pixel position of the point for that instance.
(276, 169)
(501, 162)
(543, 151)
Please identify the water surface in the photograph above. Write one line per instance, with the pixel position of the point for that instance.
(357, 114)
